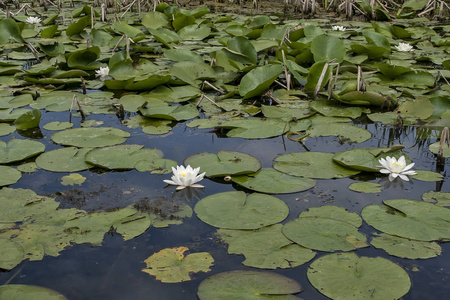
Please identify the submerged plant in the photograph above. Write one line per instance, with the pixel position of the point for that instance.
(186, 177)
(404, 47)
(396, 168)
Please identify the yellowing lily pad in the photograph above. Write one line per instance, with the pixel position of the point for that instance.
(410, 219)
(224, 163)
(248, 285)
(326, 228)
(347, 276)
(272, 181)
(311, 165)
(265, 248)
(236, 210)
(11, 254)
(73, 179)
(401, 247)
(28, 292)
(171, 265)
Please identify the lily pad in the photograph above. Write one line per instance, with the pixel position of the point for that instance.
(90, 137)
(438, 198)
(342, 130)
(347, 276)
(171, 265)
(236, 210)
(258, 80)
(6, 129)
(424, 175)
(73, 179)
(332, 109)
(18, 149)
(224, 163)
(28, 292)
(326, 228)
(11, 254)
(365, 187)
(249, 285)
(265, 248)
(311, 165)
(255, 128)
(366, 159)
(410, 219)
(401, 247)
(69, 159)
(28, 120)
(272, 181)
(435, 149)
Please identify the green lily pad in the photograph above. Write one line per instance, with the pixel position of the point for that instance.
(17, 101)
(258, 80)
(18, 149)
(410, 219)
(327, 47)
(236, 210)
(11, 254)
(332, 109)
(58, 125)
(10, 32)
(192, 72)
(265, 248)
(85, 59)
(249, 285)
(326, 228)
(6, 129)
(27, 167)
(28, 292)
(347, 276)
(366, 159)
(28, 120)
(272, 181)
(224, 163)
(427, 176)
(122, 156)
(343, 130)
(401, 247)
(171, 265)
(365, 187)
(69, 159)
(73, 179)
(438, 198)
(311, 165)
(90, 137)
(240, 49)
(435, 149)
(162, 110)
(255, 128)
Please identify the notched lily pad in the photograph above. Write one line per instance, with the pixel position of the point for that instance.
(273, 181)
(224, 163)
(406, 248)
(236, 210)
(18, 149)
(347, 276)
(171, 265)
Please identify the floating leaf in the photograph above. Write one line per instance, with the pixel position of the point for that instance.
(162, 110)
(401, 247)
(58, 125)
(21, 291)
(311, 165)
(365, 187)
(427, 176)
(332, 109)
(255, 128)
(347, 276)
(410, 219)
(272, 181)
(438, 198)
(236, 210)
(6, 129)
(258, 80)
(435, 149)
(73, 179)
(224, 163)
(249, 285)
(327, 47)
(28, 120)
(171, 265)
(11, 254)
(9, 32)
(265, 248)
(242, 50)
(343, 130)
(326, 228)
(90, 137)
(69, 159)
(18, 149)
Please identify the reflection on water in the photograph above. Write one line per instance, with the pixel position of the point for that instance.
(113, 271)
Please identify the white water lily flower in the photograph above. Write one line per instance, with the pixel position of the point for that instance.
(396, 168)
(33, 20)
(103, 72)
(338, 28)
(185, 177)
(404, 47)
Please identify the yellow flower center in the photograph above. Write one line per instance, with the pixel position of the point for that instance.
(183, 174)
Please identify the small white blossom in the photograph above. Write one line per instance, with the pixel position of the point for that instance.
(338, 28)
(396, 168)
(185, 177)
(404, 47)
(33, 20)
(103, 72)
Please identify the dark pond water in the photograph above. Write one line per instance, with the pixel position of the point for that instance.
(113, 271)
